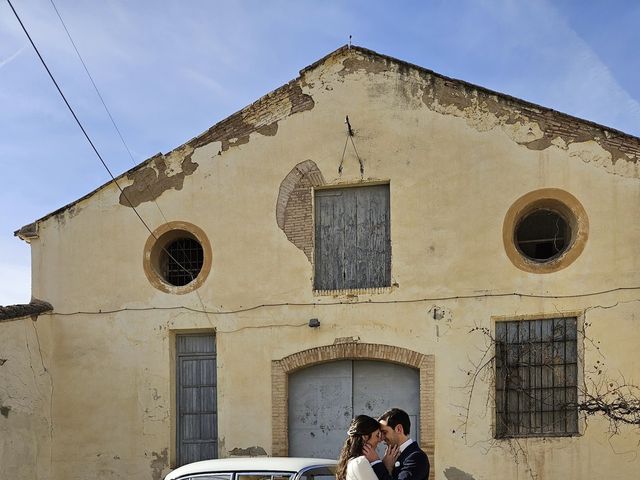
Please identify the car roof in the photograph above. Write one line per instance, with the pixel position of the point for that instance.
(238, 464)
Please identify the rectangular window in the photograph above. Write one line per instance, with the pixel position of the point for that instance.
(352, 238)
(536, 378)
(197, 424)
(263, 476)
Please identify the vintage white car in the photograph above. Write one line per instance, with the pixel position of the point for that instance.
(257, 468)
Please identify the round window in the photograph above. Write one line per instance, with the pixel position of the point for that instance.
(542, 235)
(177, 257)
(545, 230)
(181, 261)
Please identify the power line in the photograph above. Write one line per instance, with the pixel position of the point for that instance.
(115, 126)
(75, 117)
(84, 65)
(104, 164)
(104, 104)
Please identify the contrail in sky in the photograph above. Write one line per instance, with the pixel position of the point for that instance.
(11, 57)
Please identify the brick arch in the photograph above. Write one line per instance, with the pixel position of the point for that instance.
(294, 205)
(281, 369)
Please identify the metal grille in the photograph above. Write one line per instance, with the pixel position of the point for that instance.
(182, 261)
(536, 378)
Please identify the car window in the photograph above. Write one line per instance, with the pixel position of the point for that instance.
(319, 473)
(262, 476)
(210, 476)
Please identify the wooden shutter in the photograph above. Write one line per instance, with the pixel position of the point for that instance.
(352, 238)
(197, 422)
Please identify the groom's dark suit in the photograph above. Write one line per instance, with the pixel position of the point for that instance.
(412, 464)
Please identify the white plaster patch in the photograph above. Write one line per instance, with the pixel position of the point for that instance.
(206, 152)
(625, 168)
(559, 142)
(591, 152)
(173, 165)
(482, 121)
(523, 132)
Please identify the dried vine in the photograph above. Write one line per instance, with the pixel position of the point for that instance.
(599, 394)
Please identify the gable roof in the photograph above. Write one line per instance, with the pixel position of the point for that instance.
(235, 130)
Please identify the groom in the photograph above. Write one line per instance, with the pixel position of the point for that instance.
(403, 459)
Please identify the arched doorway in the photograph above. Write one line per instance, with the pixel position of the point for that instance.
(283, 369)
(324, 398)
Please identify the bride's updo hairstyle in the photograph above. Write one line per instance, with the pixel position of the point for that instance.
(361, 426)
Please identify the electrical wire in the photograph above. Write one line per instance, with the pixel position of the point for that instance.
(86, 135)
(77, 120)
(95, 87)
(366, 302)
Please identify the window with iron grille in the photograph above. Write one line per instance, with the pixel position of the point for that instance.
(536, 378)
(181, 261)
(352, 239)
(177, 257)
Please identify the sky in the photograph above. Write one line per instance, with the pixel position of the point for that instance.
(168, 70)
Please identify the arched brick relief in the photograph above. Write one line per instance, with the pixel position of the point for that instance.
(280, 370)
(294, 210)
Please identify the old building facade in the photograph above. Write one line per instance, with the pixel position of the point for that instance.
(454, 251)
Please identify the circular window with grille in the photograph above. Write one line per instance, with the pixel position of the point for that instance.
(181, 260)
(545, 231)
(177, 257)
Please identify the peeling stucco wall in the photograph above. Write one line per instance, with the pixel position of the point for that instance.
(255, 451)
(261, 116)
(163, 172)
(26, 390)
(294, 206)
(159, 174)
(159, 464)
(529, 125)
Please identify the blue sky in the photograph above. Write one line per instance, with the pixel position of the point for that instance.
(168, 70)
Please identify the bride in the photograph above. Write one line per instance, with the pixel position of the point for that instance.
(352, 465)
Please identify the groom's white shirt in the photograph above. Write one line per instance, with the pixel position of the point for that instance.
(401, 448)
(405, 445)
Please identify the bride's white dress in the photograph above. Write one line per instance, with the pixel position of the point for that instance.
(359, 468)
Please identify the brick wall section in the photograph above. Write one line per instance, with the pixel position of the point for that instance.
(471, 100)
(279, 408)
(573, 130)
(294, 208)
(280, 369)
(261, 116)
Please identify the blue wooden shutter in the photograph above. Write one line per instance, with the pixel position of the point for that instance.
(197, 422)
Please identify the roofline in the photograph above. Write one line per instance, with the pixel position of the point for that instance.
(15, 312)
(25, 232)
(474, 86)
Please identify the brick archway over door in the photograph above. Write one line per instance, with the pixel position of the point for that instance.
(280, 370)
